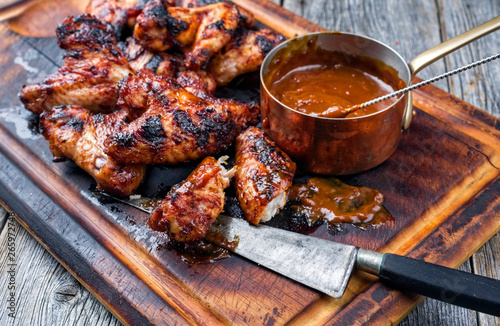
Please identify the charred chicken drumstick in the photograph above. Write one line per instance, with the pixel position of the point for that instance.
(93, 66)
(192, 206)
(74, 133)
(243, 54)
(198, 82)
(199, 32)
(263, 177)
(118, 13)
(171, 125)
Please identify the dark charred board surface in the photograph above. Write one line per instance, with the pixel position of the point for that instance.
(441, 186)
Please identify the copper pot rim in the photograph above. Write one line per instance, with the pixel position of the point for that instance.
(273, 52)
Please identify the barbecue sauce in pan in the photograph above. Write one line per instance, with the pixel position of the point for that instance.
(318, 82)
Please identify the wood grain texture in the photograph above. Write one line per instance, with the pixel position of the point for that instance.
(422, 25)
(361, 17)
(56, 297)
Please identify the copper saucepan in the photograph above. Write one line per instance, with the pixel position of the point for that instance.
(339, 146)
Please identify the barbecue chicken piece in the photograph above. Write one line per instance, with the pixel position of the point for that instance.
(264, 175)
(118, 13)
(244, 54)
(163, 63)
(172, 125)
(199, 32)
(93, 66)
(74, 133)
(158, 28)
(198, 82)
(246, 17)
(192, 206)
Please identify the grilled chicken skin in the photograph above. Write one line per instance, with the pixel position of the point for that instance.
(244, 54)
(171, 125)
(118, 13)
(192, 206)
(264, 175)
(166, 64)
(93, 66)
(246, 17)
(198, 82)
(158, 28)
(74, 133)
(198, 32)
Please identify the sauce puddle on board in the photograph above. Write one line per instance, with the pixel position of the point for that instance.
(332, 201)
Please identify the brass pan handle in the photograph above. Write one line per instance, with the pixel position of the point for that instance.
(426, 58)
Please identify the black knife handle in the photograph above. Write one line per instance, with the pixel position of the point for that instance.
(442, 283)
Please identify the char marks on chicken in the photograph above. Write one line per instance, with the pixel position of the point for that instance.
(192, 206)
(243, 54)
(171, 125)
(74, 133)
(198, 32)
(115, 109)
(93, 66)
(119, 13)
(264, 175)
(198, 82)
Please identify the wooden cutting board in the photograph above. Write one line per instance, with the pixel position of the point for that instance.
(442, 186)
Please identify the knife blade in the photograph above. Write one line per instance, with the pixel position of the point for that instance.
(320, 264)
(326, 266)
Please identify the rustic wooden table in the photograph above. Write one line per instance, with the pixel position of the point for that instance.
(49, 295)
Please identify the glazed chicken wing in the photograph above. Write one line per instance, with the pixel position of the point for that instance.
(160, 27)
(198, 82)
(93, 66)
(244, 54)
(118, 13)
(192, 206)
(74, 133)
(171, 125)
(163, 63)
(199, 32)
(218, 24)
(246, 17)
(264, 175)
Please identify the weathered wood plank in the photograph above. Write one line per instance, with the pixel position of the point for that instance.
(46, 294)
(375, 19)
(424, 19)
(486, 262)
(478, 86)
(351, 10)
(3, 217)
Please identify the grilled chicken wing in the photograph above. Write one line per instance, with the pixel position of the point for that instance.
(93, 66)
(171, 125)
(264, 175)
(244, 54)
(159, 27)
(118, 13)
(246, 17)
(165, 64)
(218, 24)
(199, 32)
(74, 133)
(192, 206)
(198, 82)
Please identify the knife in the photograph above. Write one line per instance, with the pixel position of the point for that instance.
(326, 266)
